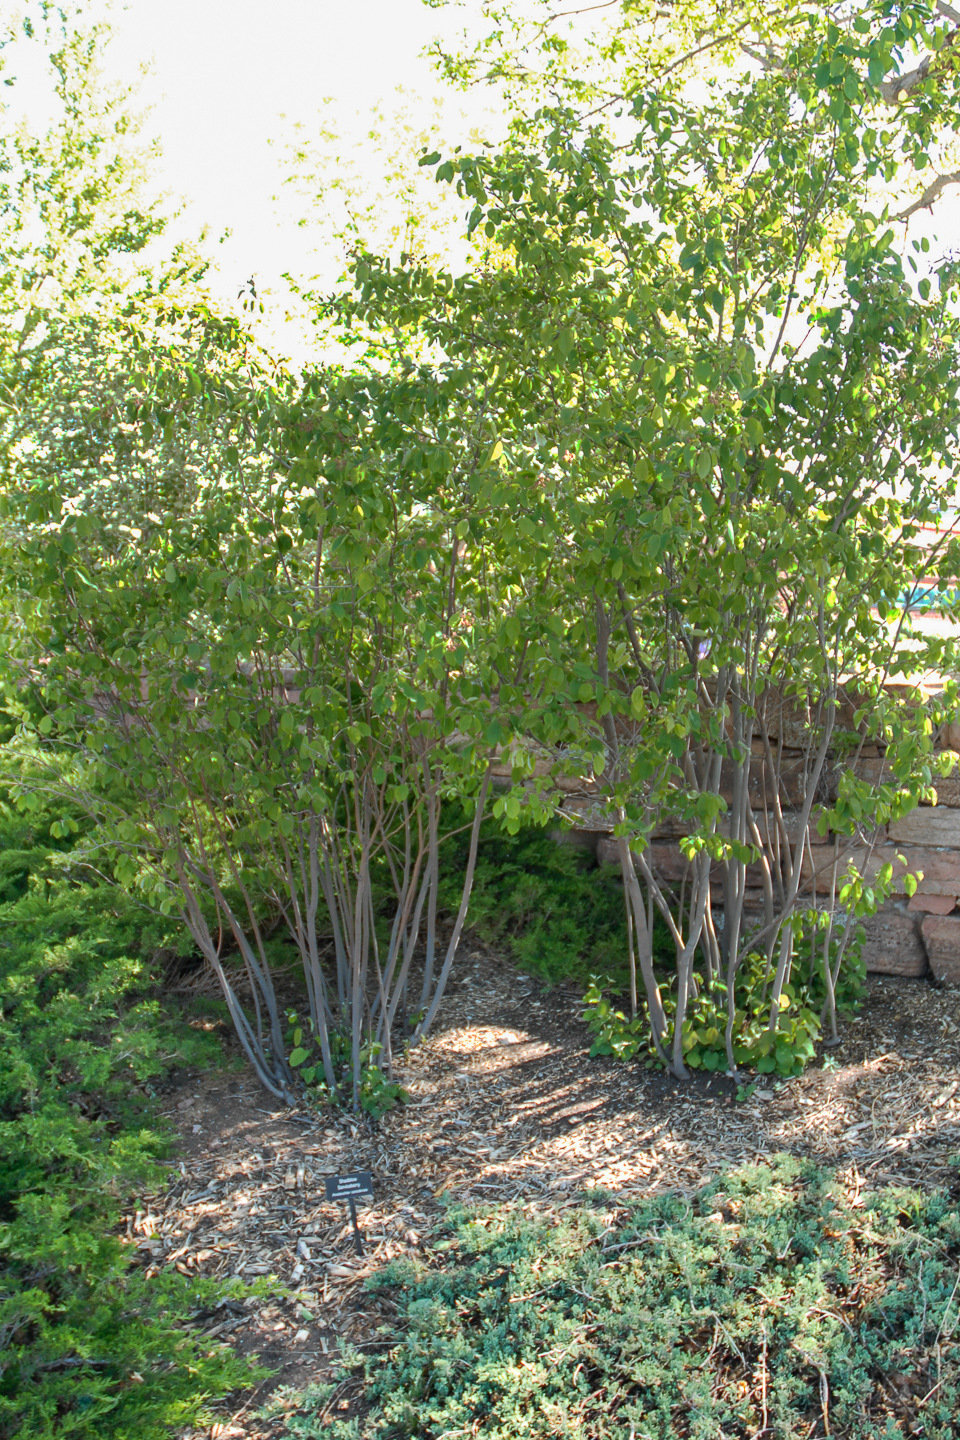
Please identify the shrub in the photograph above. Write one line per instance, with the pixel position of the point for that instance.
(765, 1305)
(560, 918)
(376, 1093)
(547, 906)
(787, 1051)
(88, 1346)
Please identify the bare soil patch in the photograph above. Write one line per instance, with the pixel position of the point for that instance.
(505, 1105)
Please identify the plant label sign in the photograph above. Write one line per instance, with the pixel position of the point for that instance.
(347, 1188)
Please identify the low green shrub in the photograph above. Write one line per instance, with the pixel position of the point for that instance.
(786, 1052)
(88, 1346)
(377, 1093)
(558, 917)
(767, 1305)
(547, 907)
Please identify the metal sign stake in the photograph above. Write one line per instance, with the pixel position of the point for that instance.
(356, 1228)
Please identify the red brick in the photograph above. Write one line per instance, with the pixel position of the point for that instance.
(928, 825)
(877, 771)
(763, 781)
(871, 769)
(941, 868)
(589, 813)
(948, 790)
(950, 736)
(823, 866)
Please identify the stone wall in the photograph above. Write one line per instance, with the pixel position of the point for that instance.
(912, 936)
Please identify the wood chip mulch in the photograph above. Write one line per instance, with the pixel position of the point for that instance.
(505, 1105)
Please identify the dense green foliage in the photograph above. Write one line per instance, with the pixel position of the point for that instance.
(88, 1347)
(642, 489)
(545, 906)
(786, 1052)
(767, 1304)
(697, 353)
(252, 632)
(625, 500)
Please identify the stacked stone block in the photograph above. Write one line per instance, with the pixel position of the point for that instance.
(911, 935)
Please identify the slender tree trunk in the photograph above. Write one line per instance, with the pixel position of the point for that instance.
(454, 941)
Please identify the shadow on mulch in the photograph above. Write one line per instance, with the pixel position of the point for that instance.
(506, 1106)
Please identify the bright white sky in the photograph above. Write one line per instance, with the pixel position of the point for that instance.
(228, 77)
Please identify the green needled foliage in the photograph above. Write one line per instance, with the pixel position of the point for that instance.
(544, 906)
(89, 1348)
(767, 1303)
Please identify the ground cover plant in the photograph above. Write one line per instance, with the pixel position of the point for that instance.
(787, 1050)
(88, 1346)
(769, 1303)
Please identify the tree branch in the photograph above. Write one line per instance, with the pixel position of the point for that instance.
(767, 60)
(579, 10)
(901, 85)
(931, 194)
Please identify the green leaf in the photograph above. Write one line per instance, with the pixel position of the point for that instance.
(566, 341)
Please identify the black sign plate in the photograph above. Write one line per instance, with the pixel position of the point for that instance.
(348, 1187)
